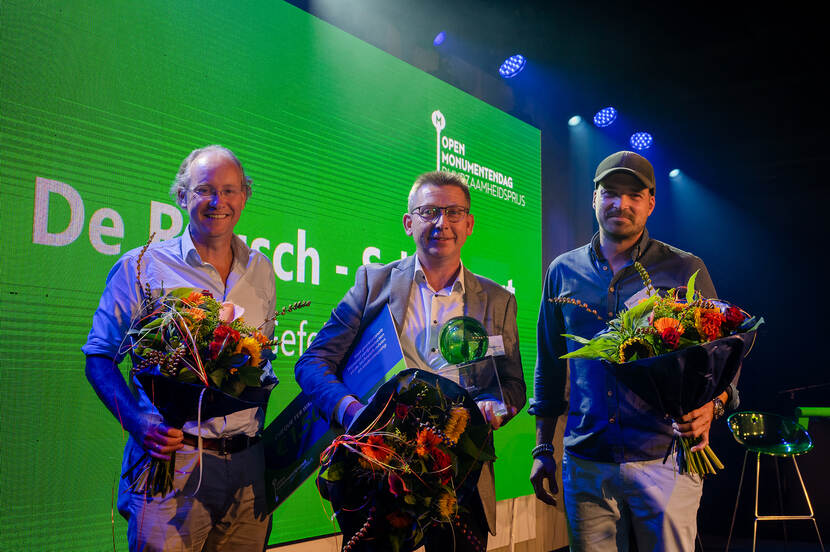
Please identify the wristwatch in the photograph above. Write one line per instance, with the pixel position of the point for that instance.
(719, 409)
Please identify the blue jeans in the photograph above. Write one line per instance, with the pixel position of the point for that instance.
(606, 502)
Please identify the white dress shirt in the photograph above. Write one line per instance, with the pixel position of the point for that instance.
(426, 314)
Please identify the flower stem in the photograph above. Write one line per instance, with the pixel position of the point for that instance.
(715, 460)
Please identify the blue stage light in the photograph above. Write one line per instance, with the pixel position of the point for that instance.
(674, 173)
(512, 66)
(641, 140)
(575, 120)
(439, 38)
(605, 116)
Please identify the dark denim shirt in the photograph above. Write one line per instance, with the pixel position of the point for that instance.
(606, 421)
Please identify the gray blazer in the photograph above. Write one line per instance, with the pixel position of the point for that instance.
(318, 370)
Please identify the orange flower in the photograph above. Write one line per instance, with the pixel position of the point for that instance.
(195, 298)
(661, 324)
(708, 323)
(426, 441)
(261, 339)
(196, 315)
(376, 448)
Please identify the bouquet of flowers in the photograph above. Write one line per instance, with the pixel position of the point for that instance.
(417, 456)
(677, 352)
(197, 358)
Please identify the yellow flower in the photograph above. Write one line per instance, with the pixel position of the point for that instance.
(635, 345)
(447, 506)
(249, 346)
(457, 423)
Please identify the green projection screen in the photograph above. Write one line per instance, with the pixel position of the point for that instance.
(102, 101)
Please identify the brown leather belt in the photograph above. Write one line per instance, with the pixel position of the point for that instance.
(223, 445)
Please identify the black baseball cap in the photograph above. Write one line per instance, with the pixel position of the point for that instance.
(626, 161)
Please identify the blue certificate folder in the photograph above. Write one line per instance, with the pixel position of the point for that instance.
(298, 435)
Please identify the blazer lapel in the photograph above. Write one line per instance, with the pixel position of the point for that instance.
(474, 297)
(400, 284)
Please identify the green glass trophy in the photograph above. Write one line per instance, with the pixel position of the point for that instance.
(465, 345)
(463, 339)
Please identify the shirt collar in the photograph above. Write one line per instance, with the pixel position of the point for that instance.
(241, 252)
(636, 251)
(420, 277)
(189, 252)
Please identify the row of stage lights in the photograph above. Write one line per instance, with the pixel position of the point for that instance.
(639, 140)
(605, 117)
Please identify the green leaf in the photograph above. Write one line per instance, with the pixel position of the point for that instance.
(690, 288)
(250, 375)
(334, 472)
(754, 326)
(576, 338)
(638, 314)
(187, 376)
(465, 444)
(599, 347)
(233, 387)
(181, 293)
(152, 324)
(217, 377)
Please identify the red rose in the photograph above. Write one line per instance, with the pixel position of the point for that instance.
(733, 317)
(215, 349)
(223, 332)
(442, 463)
(670, 337)
(401, 410)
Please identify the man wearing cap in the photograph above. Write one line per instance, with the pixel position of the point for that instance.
(615, 484)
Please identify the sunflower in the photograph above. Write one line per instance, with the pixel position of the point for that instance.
(249, 346)
(635, 346)
(447, 506)
(457, 423)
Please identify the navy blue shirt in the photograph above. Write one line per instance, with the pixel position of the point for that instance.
(606, 421)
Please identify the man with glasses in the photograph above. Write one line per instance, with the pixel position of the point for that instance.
(423, 292)
(228, 511)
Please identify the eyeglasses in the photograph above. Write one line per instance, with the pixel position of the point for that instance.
(207, 191)
(429, 213)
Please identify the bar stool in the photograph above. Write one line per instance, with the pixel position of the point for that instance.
(776, 436)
